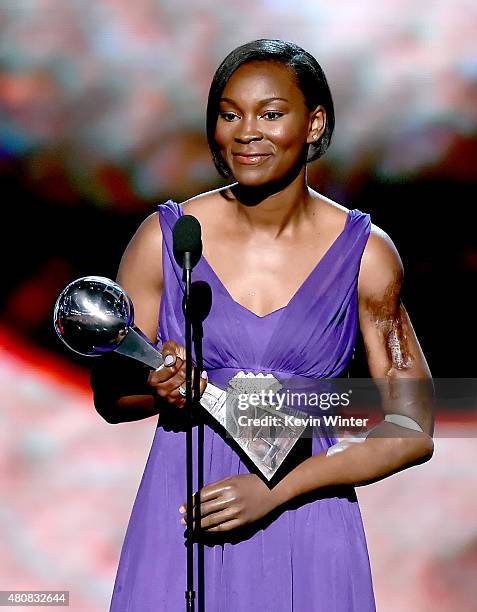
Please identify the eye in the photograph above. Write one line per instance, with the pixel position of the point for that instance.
(272, 115)
(228, 116)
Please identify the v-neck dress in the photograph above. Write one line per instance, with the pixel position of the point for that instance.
(312, 554)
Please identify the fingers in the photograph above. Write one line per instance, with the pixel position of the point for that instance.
(226, 526)
(207, 493)
(174, 349)
(171, 375)
(213, 490)
(171, 366)
(169, 379)
(212, 507)
(218, 510)
(217, 518)
(214, 514)
(224, 520)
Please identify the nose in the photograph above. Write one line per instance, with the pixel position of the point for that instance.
(248, 131)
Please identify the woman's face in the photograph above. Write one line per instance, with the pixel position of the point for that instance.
(264, 125)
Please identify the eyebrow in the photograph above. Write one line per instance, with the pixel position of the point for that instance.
(265, 101)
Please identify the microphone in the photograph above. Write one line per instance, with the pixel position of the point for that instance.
(187, 242)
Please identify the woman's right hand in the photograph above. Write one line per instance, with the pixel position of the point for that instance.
(167, 379)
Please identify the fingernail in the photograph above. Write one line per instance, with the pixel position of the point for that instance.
(182, 509)
(204, 374)
(169, 360)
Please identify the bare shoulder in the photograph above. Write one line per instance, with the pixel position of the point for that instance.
(381, 271)
(140, 274)
(150, 228)
(205, 204)
(145, 247)
(148, 237)
(212, 210)
(332, 216)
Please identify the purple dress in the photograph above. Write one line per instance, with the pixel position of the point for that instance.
(311, 556)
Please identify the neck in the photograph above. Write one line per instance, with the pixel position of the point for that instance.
(273, 208)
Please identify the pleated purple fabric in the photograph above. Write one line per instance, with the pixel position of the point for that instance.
(310, 555)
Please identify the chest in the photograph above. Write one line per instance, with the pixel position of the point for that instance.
(264, 277)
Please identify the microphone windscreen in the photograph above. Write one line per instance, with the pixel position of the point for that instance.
(187, 237)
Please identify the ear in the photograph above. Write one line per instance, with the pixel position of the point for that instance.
(317, 124)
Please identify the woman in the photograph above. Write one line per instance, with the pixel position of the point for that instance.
(291, 273)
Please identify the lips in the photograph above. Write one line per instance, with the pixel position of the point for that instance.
(250, 159)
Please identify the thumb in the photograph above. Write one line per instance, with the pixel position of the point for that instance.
(204, 379)
(172, 350)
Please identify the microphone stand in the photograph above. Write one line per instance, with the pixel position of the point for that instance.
(187, 247)
(197, 303)
(190, 593)
(200, 480)
(197, 335)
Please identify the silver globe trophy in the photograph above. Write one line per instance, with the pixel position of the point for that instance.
(93, 316)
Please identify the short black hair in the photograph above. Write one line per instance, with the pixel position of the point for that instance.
(309, 76)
